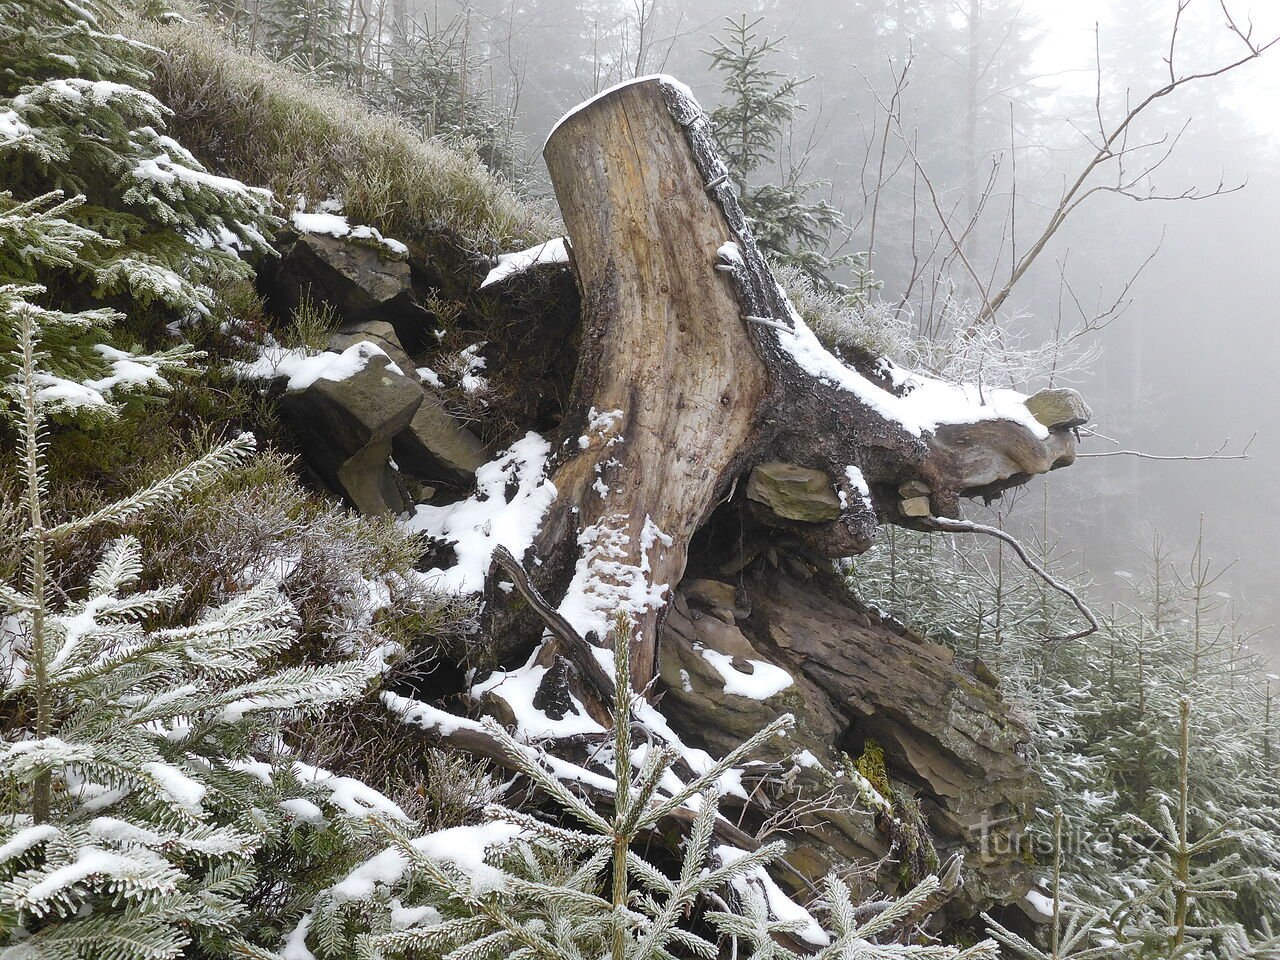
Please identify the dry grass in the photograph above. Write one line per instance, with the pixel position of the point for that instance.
(269, 126)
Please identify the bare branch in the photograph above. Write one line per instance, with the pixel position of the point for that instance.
(1217, 454)
(968, 526)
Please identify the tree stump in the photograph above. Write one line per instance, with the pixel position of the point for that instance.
(694, 368)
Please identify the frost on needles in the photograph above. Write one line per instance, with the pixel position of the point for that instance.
(140, 783)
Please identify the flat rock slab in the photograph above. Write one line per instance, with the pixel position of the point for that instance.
(794, 493)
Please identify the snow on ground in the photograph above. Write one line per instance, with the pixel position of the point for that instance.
(304, 368)
(478, 525)
(510, 264)
(764, 680)
(1040, 903)
(336, 225)
(518, 688)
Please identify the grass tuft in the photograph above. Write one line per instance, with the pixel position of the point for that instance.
(268, 125)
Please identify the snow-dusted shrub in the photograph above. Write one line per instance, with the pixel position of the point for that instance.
(141, 763)
(518, 885)
(349, 577)
(849, 325)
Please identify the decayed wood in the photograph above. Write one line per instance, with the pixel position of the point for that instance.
(683, 383)
(663, 342)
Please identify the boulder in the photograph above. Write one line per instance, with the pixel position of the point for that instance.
(436, 446)
(343, 429)
(1059, 407)
(914, 488)
(381, 334)
(794, 493)
(361, 281)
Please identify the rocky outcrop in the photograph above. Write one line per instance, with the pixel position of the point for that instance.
(348, 430)
(928, 732)
(358, 280)
(344, 429)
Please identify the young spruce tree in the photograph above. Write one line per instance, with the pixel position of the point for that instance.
(133, 793)
(759, 103)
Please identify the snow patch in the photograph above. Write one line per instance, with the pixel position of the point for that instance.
(478, 525)
(926, 403)
(335, 225)
(303, 368)
(1040, 903)
(764, 681)
(666, 80)
(518, 689)
(604, 583)
(757, 883)
(510, 264)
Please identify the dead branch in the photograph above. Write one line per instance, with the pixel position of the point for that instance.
(1217, 454)
(968, 526)
(1113, 145)
(579, 650)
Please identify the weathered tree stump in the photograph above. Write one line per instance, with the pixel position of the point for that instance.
(711, 456)
(693, 369)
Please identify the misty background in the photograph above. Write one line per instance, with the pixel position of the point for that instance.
(970, 116)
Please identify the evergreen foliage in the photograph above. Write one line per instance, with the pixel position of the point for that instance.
(101, 205)
(520, 886)
(1146, 813)
(133, 795)
(751, 124)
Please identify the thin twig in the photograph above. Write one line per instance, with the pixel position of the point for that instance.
(968, 526)
(1244, 454)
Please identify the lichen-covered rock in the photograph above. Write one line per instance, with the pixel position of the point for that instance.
(343, 429)
(794, 493)
(1059, 407)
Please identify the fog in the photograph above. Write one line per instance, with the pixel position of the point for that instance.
(1185, 366)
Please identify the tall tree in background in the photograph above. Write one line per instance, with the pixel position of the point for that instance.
(751, 126)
